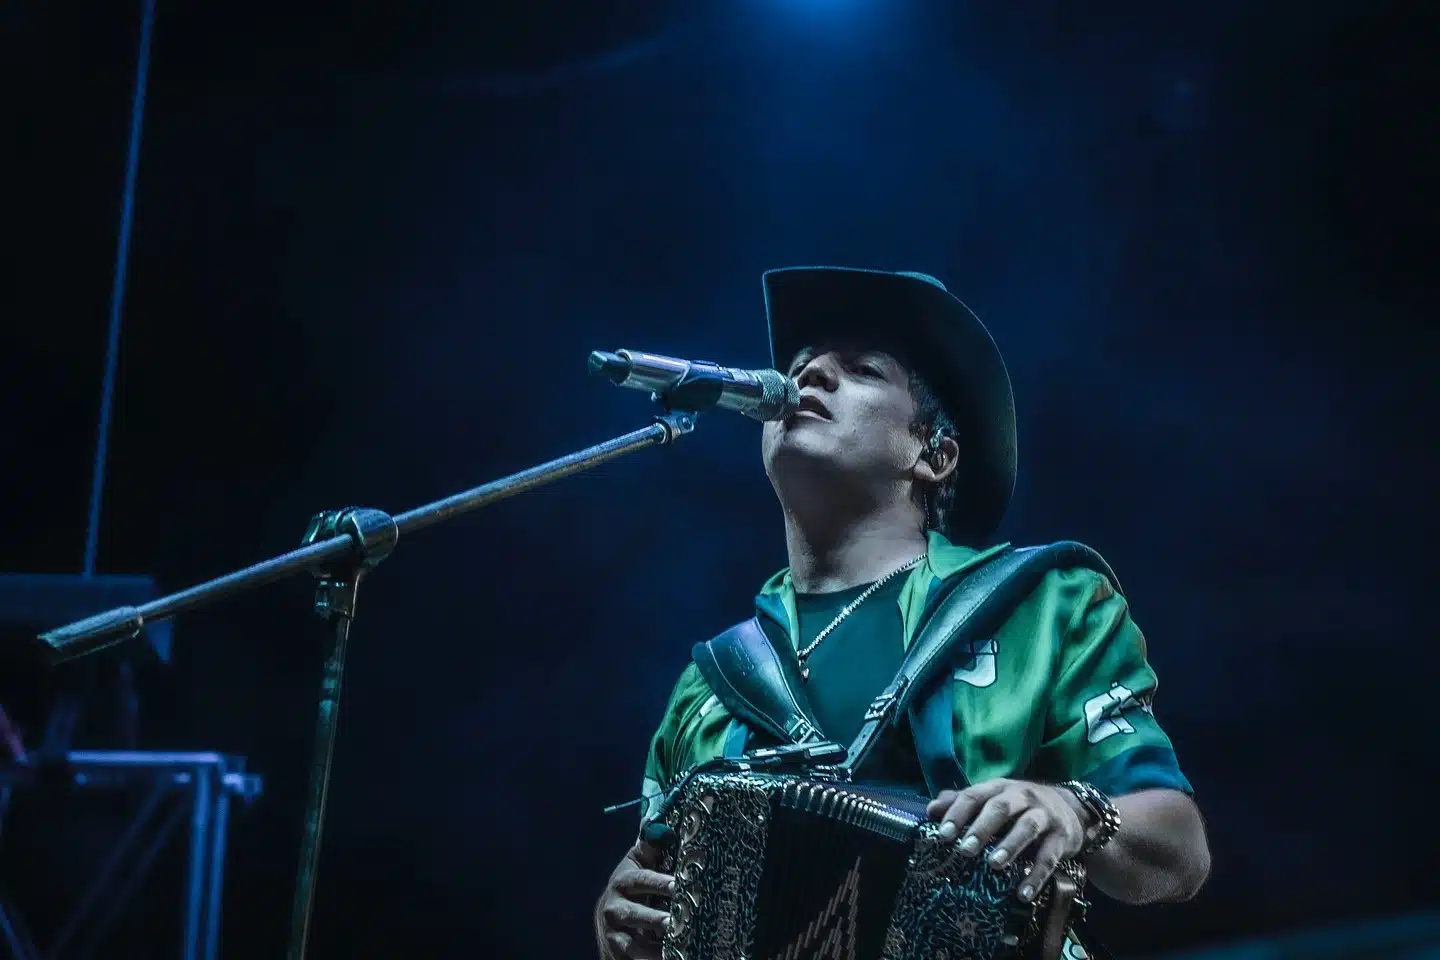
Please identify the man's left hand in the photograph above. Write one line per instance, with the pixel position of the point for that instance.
(1018, 816)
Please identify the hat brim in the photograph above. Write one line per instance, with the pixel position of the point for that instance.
(933, 333)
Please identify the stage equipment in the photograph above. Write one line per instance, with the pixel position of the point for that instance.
(341, 547)
(182, 791)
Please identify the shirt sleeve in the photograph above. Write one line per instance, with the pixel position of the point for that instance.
(1101, 725)
(661, 764)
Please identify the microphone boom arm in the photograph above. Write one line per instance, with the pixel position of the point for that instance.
(114, 626)
(339, 548)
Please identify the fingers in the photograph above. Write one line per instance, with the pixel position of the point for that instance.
(940, 806)
(642, 882)
(628, 926)
(620, 914)
(956, 810)
(1020, 820)
(623, 909)
(1027, 828)
(994, 816)
(936, 808)
(1009, 812)
(1047, 858)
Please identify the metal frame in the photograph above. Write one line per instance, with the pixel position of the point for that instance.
(211, 780)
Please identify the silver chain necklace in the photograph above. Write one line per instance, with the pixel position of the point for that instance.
(849, 609)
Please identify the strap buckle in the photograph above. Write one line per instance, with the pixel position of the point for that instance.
(802, 731)
(884, 705)
(826, 751)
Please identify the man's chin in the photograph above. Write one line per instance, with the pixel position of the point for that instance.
(805, 453)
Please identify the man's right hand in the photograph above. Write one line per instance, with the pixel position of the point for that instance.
(626, 926)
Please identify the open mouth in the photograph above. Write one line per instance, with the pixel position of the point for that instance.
(809, 403)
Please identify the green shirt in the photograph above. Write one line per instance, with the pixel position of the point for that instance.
(1062, 690)
(849, 669)
(856, 659)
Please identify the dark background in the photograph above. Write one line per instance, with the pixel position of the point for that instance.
(374, 244)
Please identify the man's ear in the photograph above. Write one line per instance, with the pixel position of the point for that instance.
(938, 461)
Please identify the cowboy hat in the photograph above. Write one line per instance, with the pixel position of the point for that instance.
(914, 317)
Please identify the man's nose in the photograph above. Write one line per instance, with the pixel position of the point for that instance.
(819, 371)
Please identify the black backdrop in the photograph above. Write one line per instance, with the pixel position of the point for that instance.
(374, 244)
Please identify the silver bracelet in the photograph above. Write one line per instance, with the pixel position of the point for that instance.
(1107, 818)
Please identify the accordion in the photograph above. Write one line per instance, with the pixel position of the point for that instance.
(779, 866)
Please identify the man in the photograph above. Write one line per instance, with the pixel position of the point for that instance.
(892, 477)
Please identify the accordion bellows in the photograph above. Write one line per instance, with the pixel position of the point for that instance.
(781, 867)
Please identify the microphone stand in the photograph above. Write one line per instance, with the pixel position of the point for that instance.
(340, 548)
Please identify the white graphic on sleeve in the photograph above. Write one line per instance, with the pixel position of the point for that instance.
(1073, 951)
(1105, 714)
(651, 793)
(979, 670)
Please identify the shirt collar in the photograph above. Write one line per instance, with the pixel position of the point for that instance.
(943, 560)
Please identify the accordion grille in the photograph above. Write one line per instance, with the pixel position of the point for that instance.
(790, 868)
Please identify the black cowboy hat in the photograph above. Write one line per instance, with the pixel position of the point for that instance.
(914, 317)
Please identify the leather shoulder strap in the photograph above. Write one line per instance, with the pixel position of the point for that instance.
(980, 603)
(758, 684)
(976, 605)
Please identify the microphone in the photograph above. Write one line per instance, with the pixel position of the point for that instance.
(698, 385)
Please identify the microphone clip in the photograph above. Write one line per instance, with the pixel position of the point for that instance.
(699, 388)
(676, 385)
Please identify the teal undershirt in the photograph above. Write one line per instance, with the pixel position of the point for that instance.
(851, 666)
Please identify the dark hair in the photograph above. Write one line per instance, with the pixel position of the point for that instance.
(937, 500)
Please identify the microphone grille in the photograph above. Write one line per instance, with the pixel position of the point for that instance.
(780, 395)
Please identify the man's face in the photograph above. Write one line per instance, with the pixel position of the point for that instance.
(852, 433)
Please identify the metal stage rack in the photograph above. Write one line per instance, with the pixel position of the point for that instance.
(176, 787)
(200, 787)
